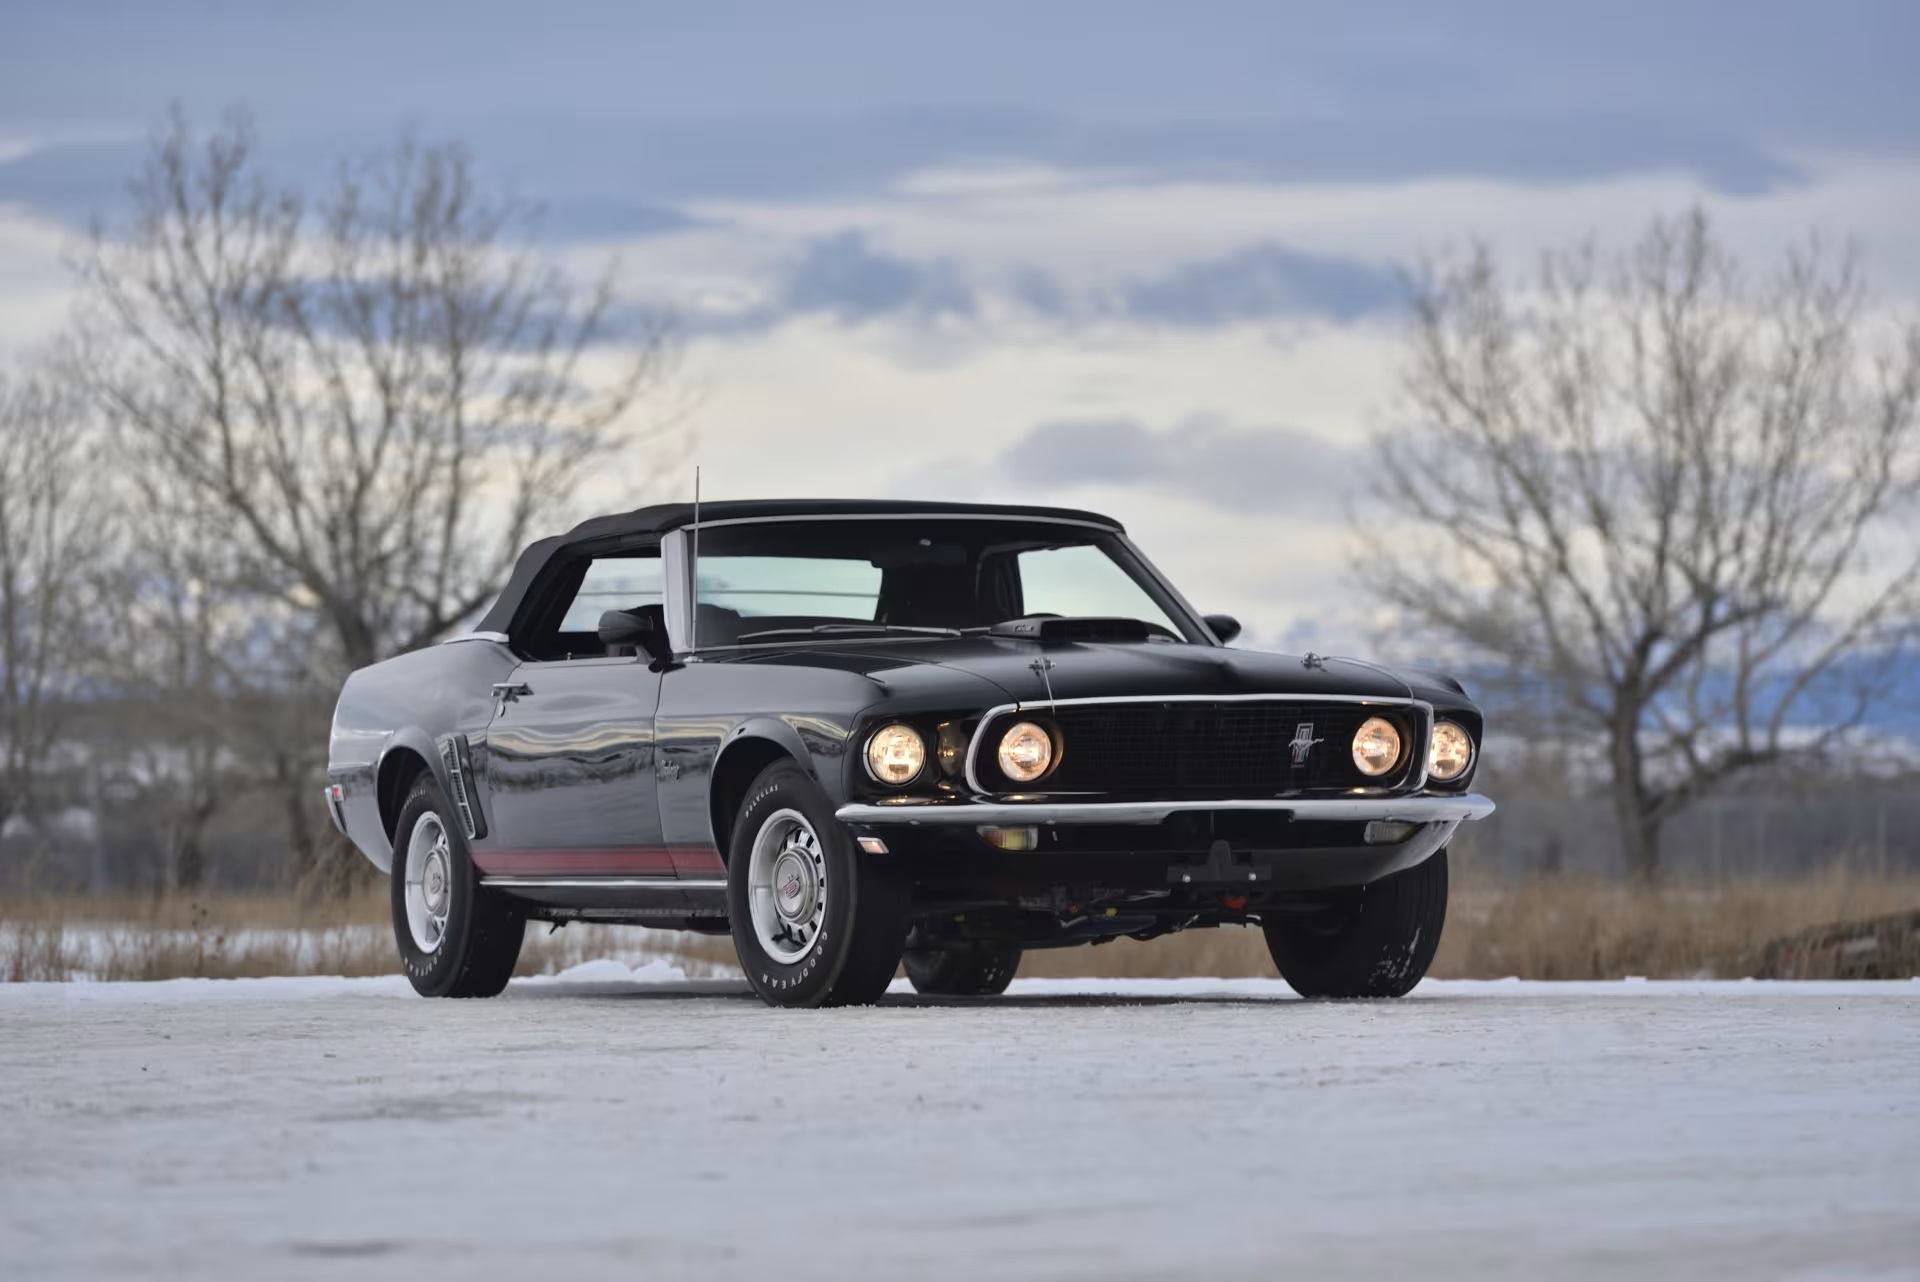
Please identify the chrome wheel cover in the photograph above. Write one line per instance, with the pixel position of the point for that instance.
(428, 889)
(787, 887)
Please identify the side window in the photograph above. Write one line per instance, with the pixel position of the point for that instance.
(791, 586)
(566, 626)
(613, 583)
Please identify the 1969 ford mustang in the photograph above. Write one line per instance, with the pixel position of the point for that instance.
(856, 732)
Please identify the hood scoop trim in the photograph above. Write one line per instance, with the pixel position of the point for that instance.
(1090, 629)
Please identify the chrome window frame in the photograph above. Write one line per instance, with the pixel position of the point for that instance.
(677, 589)
(676, 551)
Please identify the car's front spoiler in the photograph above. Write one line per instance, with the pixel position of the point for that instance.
(1423, 808)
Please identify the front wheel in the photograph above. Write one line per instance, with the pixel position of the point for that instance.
(456, 938)
(816, 922)
(1371, 941)
(977, 968)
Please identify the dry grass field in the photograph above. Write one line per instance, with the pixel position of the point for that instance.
(1545, 928)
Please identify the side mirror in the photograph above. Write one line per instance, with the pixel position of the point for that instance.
(1223, 626)
(642, 629)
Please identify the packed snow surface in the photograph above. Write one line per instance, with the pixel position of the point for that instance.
(613, 1121)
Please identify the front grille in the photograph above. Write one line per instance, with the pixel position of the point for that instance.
(1201, 750)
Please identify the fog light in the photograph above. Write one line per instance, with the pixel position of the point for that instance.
(1026, 751)
(1012, 838)
(1376, 747)
(1389, 832)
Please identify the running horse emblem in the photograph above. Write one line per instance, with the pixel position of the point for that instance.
(1303, 742)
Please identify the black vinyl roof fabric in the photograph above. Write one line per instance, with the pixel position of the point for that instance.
(662, 517)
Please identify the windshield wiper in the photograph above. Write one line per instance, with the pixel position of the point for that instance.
(852, 629)
(1058, 627)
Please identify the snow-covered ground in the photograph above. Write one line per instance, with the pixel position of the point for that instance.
(633, 1123)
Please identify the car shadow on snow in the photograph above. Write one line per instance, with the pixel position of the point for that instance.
(737, 990)
(1075, 1000)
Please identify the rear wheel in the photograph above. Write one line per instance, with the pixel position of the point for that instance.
(1371, 941)
(976, 968)
(456, 938)
(816, 922)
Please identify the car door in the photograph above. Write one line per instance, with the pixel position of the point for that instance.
(570, 747)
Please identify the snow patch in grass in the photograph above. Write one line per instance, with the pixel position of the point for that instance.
(608, 971)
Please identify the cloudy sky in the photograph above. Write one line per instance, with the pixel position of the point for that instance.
(1140, 258)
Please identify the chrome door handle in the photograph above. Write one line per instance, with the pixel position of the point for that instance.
(510, 691)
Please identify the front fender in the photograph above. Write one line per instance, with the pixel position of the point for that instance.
(779, 732)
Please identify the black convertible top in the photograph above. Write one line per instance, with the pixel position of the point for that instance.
(662, 517)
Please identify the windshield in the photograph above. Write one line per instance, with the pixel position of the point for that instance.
(785, 580)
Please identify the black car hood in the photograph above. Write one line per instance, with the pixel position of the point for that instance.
(1083, 671)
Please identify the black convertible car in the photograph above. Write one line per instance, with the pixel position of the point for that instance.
(852, 732)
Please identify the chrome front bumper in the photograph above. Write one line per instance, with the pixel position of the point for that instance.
(1423, 808)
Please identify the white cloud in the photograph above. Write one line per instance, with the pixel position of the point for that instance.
(887, 405)
(35, 288)
(1094, 230)
(884, 403)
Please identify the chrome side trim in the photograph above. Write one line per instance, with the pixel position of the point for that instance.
(498, 638)
(1390, 701)
(599, 883)
(1428, 809)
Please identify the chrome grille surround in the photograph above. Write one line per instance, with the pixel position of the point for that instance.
(1239, 731)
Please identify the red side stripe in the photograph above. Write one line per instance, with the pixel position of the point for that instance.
(646, 861)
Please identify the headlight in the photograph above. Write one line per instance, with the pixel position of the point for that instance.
(1025, 752)
(1376, 748)
(1452, 751)
(895, 754)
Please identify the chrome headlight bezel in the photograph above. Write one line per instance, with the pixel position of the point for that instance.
(1444, 725)
(894, 734)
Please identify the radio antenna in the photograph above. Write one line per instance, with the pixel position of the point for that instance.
(693, 624)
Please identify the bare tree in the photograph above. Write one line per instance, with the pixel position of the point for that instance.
(53, 534)
(356, 408)
(188, 654)
(379, 393)
(1684, 500)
